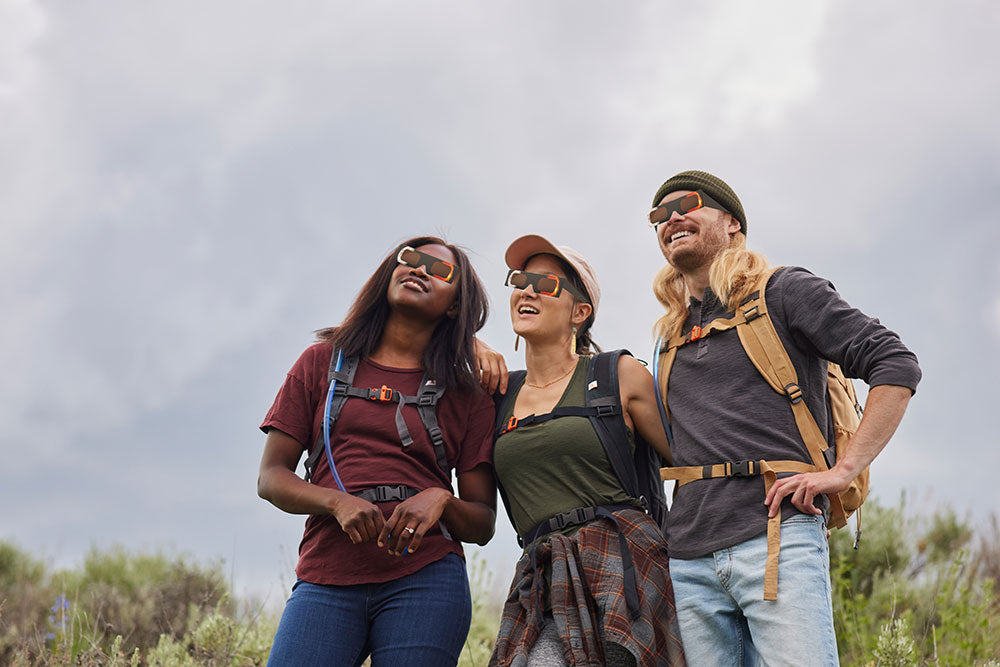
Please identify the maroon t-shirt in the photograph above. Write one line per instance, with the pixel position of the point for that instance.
(367, 452)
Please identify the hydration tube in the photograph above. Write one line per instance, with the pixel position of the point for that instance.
(326, 424)
(656, 389)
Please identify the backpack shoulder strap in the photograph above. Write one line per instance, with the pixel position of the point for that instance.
(502, 402)
(427, 398)
(602, 392)
(343, 378)
(767, 353)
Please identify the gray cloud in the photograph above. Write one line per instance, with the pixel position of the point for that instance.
(187, 191)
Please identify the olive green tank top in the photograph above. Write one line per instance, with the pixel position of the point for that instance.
(557, 465)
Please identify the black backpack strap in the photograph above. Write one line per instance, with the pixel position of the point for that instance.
(426, 401)
(609, 423)
(344, 378)
(501, 403)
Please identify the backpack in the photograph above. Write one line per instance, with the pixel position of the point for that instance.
(638, 472)
(764, 348)
(425, 401)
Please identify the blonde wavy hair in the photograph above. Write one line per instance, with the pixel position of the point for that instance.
(732, 277)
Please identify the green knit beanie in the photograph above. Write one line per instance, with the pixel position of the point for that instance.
(713, 186)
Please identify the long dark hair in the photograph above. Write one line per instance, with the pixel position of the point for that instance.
(450, 356)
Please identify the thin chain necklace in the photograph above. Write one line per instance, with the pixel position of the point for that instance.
(561, 377)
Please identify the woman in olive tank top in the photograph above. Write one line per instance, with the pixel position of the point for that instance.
(569, 603)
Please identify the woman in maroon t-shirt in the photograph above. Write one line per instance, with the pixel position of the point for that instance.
(381, 569)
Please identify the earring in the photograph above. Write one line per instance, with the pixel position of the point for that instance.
(517, 339)
(572, 343)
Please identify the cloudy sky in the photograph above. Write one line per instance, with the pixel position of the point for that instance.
(189, 189)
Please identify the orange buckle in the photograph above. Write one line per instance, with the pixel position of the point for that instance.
(382, 393)
(511, 425)
(695, 333)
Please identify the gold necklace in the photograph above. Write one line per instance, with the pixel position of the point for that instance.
(561, 377)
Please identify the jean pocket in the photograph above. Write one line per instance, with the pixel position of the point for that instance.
(810, 519)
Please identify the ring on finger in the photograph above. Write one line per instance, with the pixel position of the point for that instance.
(409, 530)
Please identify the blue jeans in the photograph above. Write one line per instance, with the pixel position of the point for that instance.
(724, 619)
(418, 620)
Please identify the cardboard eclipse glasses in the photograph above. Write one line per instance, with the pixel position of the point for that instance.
(549, 285)
(438, 268)
(684, 205)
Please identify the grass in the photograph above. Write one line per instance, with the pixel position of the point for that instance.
(919, 591)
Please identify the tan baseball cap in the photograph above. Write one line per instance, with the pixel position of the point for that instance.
(524, 248)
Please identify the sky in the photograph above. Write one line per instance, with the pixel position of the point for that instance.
(188, 190)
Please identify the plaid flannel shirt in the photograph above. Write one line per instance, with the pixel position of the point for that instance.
(588, 599)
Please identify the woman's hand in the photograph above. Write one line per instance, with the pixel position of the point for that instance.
(360, 519)
(411, 519)
(492, 368)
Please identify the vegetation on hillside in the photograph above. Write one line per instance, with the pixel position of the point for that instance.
(919, 591)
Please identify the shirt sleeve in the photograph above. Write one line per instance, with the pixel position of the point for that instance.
(294, 408)
(818, 316)
(477, 443)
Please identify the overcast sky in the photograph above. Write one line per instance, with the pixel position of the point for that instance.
(189, 189)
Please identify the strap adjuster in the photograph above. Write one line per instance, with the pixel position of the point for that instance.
(425, 400)
(695, 333)
(752, 313)
(740, 469)
(386, 493)
(605, 410)
(793, 392)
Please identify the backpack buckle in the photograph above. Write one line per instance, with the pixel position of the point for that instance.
(793, 392)
(752, 313)
(740, 469)
(605, 410)
(426, 400)
(382, 393)
(510, 426)
(695, 333)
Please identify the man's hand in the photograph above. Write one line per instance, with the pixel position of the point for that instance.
(803, 488)
(360, 519)
(411, 519)
(492, 368)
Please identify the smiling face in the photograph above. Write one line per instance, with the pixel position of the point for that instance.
(691, 241)
(413, 291)
(535, 315)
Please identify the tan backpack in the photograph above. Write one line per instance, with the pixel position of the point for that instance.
(763, 347)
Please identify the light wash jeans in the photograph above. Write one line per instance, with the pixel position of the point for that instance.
(724, 619)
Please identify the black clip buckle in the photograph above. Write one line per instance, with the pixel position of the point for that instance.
(606, 410)
(794, 392)
(740, 469)
(425, 400)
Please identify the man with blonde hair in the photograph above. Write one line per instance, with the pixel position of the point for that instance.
(734, 437)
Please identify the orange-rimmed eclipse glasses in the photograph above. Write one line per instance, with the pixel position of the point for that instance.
(547, 284)
(684, 205)
(434, 266)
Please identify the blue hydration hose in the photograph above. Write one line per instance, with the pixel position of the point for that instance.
(656, 391)
(326, 424)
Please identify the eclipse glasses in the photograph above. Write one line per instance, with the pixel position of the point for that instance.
(684, 205)
(548, 285)
(438, 268)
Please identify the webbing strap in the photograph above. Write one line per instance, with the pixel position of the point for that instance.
(425, 401)
(599, 408)
(768, 470)
(763, 347)
(386, 493)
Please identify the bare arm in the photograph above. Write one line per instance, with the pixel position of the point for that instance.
(883, 411)
(635, 385)
(492, 368)
(470, 517)
(278, 484)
